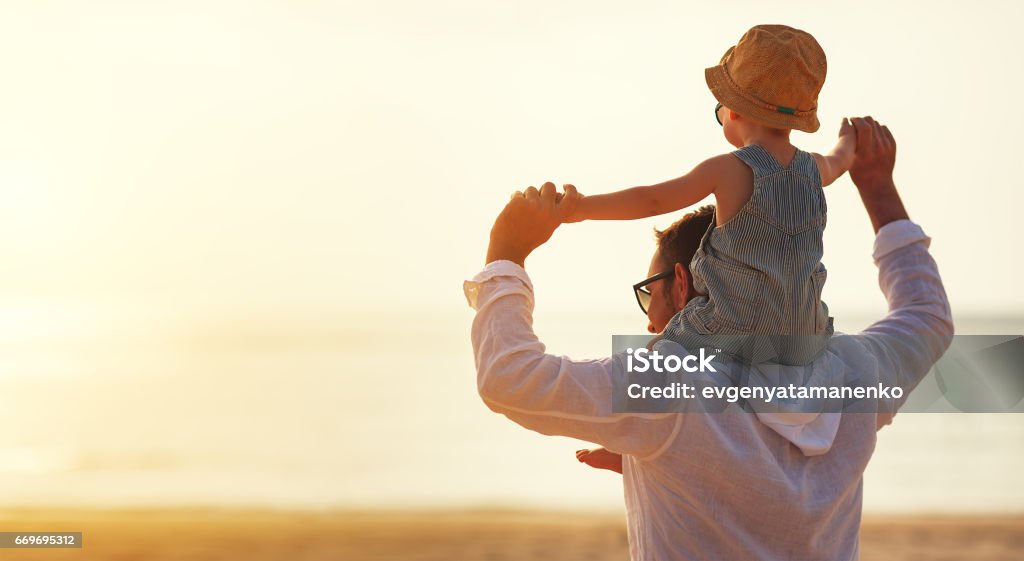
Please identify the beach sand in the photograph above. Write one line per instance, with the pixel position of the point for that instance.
(253, 535)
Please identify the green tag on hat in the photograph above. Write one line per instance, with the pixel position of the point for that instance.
(786, 110)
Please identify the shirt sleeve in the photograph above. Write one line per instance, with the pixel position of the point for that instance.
(552, 395)
(919, 326)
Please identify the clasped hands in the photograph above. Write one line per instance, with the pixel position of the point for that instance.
(528, 220)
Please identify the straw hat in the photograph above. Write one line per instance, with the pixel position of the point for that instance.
(772, 77)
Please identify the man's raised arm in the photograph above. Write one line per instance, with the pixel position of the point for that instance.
(919, 326)
(550, 394)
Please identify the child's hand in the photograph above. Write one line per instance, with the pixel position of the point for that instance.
(834, 165)
(847, 130)
(846, 148)
(568, 204)
(847, 145)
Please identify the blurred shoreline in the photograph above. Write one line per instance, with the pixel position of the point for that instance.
(471, 534)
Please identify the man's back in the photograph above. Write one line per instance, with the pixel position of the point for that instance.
(730, 487)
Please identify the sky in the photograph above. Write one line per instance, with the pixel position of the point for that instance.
(223, 159)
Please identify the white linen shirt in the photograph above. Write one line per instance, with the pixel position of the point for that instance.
(719, 485)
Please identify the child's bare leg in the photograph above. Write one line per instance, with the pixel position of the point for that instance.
(601, 459)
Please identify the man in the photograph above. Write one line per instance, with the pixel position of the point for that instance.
(717, 486)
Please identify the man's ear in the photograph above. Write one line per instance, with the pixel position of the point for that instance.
(680, 286)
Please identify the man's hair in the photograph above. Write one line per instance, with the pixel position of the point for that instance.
(678, 242)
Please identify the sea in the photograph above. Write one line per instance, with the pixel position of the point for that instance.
(337, 415)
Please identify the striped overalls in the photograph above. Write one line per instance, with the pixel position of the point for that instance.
(760, 275)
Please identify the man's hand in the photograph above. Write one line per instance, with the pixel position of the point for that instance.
(528, 220)
(876, 155)
(872, 171)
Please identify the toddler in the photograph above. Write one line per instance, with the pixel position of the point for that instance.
(757, 271)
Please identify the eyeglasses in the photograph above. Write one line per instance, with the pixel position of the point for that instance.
(718, 106)
(643, 294)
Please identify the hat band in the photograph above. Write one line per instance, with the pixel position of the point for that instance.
(762, 103)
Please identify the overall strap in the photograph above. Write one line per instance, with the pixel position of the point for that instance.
(760, 161)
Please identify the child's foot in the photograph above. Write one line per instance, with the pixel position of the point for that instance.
(601, 459)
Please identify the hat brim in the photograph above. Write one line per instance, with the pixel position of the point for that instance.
(728, 95)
